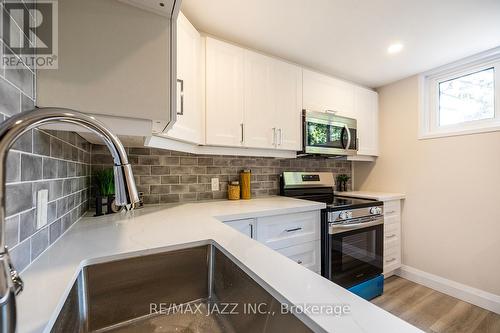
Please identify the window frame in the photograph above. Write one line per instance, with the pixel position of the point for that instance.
(429, 97)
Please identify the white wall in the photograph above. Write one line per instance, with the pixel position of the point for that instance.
(451, 217)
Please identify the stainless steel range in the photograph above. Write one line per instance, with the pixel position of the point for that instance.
(351, 232)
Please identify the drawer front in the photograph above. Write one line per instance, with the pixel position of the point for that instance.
(286, 230)
(392, 259)
(392, 207)
(393, 219)
(392, 235)
(306, 254)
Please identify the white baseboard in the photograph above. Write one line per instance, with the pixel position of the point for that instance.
(481, 298)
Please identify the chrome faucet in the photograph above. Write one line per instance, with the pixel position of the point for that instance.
(10, 130)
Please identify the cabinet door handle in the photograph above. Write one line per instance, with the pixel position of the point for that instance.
(280, 130)
(242, 133)
(274, 136)
(390, 260)
(251, 230)
(390, 236)
(294, 229)
(181, 95)
(390, 212)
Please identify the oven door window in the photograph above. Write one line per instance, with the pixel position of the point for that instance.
(357, 255)
(329, 135)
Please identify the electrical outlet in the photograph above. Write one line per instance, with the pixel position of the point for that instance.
(42, 201)
(215, 184)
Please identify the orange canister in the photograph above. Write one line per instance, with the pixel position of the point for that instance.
(245, 177)
(233, 190)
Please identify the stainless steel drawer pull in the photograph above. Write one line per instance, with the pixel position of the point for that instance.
(294, 229)
(390, 236)
(390, 260)
(390, 212)
(299, 262)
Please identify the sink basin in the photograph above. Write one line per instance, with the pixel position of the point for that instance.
(195, 289)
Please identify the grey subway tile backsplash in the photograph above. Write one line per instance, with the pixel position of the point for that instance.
(31, 167)
(21, 255)
(13, 167)
(10, 98)
(18, 198)
(39, 159)
(27, 225)
(166, 176)
(24, 142)
(12, 231)
(39, 242)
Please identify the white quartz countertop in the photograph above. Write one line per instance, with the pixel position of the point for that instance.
(50, 277)
(382, 196)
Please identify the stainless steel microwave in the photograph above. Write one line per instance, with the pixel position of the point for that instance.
(328, 134)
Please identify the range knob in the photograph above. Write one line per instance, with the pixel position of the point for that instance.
(345, 215)
(375, 210)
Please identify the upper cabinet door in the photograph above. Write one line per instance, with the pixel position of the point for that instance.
(190, 122)
(287, 83)
(224, 93)
(259, 116)
(366, 113)
(323, 93)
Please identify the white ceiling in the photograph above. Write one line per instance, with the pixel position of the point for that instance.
(349, 38)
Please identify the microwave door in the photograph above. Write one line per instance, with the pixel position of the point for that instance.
(330, 138)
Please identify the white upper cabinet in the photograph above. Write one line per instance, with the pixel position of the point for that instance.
(259, 114)
(325, 94)
(252, 100)
(190, 84)
(114, 60)
(366, 113)
(224, 93)
(287, 84)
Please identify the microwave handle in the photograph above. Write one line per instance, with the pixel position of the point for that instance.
(349, 138)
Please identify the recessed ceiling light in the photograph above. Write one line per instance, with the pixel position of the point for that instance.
(395, 48)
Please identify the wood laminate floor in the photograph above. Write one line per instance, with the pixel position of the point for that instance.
(432, 311)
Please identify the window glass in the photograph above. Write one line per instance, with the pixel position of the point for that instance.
(467, 98)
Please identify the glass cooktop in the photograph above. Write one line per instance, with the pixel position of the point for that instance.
(340, 203)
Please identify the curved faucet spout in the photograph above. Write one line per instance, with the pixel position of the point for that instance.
(10, 130)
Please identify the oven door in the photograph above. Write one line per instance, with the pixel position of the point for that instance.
(329, 134)
(355, 252)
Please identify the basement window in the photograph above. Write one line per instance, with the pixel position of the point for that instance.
(463, 98)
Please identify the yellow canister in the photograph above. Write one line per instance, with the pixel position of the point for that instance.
(233, 190)
(245, 178)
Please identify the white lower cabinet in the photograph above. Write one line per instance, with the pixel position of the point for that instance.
(296, 236)
(392, 236)
(245, 226)
(306, 254)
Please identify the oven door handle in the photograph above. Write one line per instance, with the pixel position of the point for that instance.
(338, 228)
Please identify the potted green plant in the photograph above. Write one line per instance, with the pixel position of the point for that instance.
(105, 188)
(342, 180)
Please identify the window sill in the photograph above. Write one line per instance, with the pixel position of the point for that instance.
(465, 131)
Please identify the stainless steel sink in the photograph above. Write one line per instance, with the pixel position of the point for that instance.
(196, 289)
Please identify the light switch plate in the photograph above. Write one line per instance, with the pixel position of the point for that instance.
(42, 201)
(215, 184)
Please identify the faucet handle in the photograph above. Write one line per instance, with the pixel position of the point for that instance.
(14, 275)
(16, 280)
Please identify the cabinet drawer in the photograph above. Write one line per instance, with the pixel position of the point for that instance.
(392, 235)
(392, 219)
(392, 259)
(286, 230)
(306, 254)
(392, 207)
